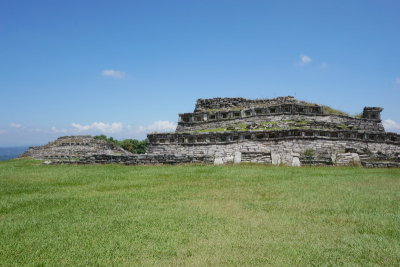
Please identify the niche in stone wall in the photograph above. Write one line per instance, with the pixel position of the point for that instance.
(296, 133)
(286, 109)
(258, 111)
(336, 135)
(315, 110)
(260, 136)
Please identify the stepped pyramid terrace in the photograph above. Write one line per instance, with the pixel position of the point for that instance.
(281, 130)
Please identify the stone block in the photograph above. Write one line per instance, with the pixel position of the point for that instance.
(218, 161)
(276, 158)
(237, 158)
(296, 162)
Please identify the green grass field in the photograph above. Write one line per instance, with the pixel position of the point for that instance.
(246, 215)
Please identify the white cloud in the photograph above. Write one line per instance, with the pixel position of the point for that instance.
(118, 130)
(323, 65)
(114, 127)
(304, 60)
(391, 125)
(15, 125)
(159, 126)
(116, 74)
(397, 80)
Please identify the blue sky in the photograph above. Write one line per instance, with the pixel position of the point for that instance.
(125, 68)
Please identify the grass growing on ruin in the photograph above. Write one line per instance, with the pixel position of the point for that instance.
(198, 215)
(331, 110)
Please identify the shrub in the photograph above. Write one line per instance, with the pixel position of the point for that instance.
(132, 145)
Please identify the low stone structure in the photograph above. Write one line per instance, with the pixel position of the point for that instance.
(74, 147)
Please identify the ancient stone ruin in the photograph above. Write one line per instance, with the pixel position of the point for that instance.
(73, 148)
(282, 130)
(276, 131)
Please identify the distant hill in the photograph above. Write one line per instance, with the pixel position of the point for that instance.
(7, 153)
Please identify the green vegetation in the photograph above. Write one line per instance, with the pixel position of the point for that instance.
(269, 123)
(330, 110)
(327, 109)
(212, 130)
(264, 126)
(309, 154)
(131, 145)
(358, 116)
(343, 126)
(238, 215)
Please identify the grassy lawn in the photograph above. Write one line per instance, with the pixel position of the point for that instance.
(247, 215)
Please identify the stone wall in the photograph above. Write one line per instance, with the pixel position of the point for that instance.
(136, 159)
(239, 102)
(313, 121)
(282, 150)
(269, 135)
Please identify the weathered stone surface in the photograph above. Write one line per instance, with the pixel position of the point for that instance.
(237, 158)
(229, 103)
(296, 162)
(136, 159)
(228, 159)
(276, 158)
(218, 161)
(348, 159)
